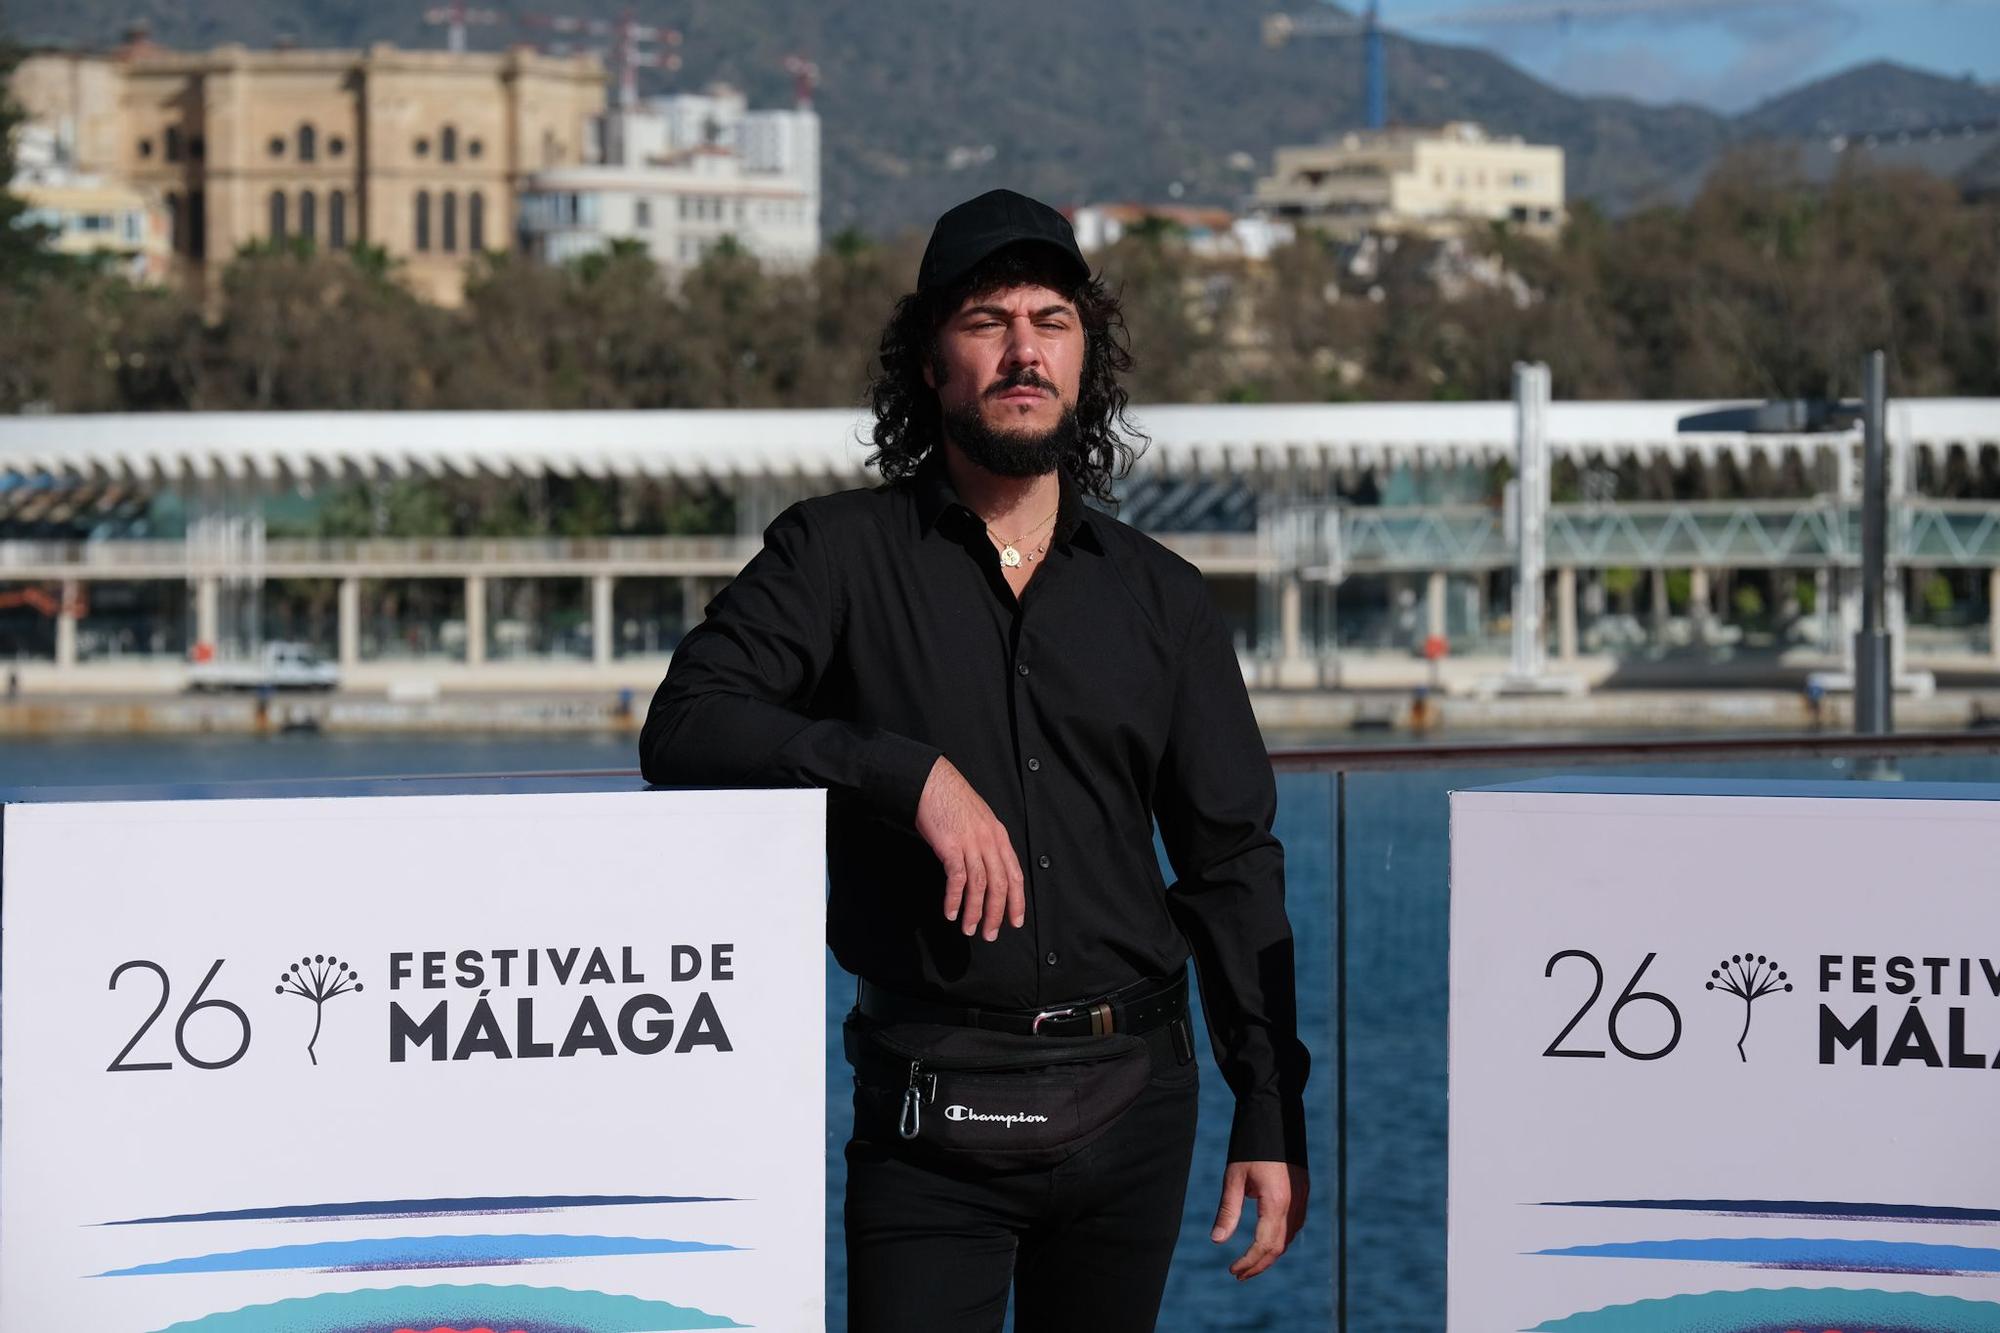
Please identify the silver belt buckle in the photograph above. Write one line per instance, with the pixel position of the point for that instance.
(1036, 1030)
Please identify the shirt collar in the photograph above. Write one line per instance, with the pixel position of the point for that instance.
(938, 503)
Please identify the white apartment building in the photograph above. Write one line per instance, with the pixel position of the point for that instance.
(86, 214)
(1434, 181)
(679, 173)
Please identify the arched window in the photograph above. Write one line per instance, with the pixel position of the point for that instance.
(448, 144)
(475, 222)
(423, 219)
(308, 215)
(277, 215)
(449, 227)
(197, 228)
(308, 144)
(176, 224)
(173, 143)
(336, 220)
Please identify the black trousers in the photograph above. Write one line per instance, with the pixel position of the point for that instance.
(1085, 1245)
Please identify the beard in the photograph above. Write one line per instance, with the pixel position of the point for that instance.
(1012, 453)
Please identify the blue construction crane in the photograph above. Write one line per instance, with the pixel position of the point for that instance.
(1282, 28)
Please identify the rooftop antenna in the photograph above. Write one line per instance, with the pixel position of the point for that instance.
(805, 80)
(454, 18)
(624, 44)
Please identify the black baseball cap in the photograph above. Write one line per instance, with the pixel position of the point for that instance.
(970, 232)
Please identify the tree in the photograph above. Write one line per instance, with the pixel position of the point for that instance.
(23, 255)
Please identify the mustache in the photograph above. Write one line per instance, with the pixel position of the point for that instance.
(1024, 378)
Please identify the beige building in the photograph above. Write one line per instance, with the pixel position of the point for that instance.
(1433, 181)
(94, 218)
(422, 153)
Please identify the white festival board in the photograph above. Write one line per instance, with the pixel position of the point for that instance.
(1725, 1057)
(546, 1062)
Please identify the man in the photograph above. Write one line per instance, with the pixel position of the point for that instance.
(1001, 689)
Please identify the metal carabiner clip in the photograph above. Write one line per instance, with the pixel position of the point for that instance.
(913, 1116)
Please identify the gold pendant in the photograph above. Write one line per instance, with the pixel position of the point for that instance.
(1010, 557)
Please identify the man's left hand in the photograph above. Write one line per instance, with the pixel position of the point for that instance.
(1280, 1190)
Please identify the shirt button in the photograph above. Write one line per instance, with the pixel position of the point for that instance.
(1034, 765)
(1022, 668)
(1051, 959)
(1043, 862)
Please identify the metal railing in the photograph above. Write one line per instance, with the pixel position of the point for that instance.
(1341, 540)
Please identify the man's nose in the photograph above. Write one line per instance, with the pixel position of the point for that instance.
(1023, 348)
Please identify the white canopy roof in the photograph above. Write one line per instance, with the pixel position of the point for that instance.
(829, 444)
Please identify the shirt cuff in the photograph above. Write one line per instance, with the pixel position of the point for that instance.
(1269, 1129)
(897, 769)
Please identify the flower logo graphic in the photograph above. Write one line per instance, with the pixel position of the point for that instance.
(1749, 977)
(318, 978)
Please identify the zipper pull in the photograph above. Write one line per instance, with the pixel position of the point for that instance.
(913, 1115)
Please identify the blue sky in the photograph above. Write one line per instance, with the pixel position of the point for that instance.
(1728, 56)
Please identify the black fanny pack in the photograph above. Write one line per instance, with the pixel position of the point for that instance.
(990, 1101)
(994, 1090)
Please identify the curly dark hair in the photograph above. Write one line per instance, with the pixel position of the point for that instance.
(908, 420)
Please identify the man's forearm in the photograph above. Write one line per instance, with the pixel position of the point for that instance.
(719, 739)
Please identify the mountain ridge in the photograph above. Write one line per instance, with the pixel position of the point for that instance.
(925, 102)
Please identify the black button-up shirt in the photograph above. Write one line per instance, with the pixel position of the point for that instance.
(875, 631)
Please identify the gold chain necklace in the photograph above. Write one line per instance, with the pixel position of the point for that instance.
(1010, 552)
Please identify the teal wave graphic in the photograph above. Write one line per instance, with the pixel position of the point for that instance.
(411, 1252)
(555, 1309)
(1817, 1253)
(1769, 1311)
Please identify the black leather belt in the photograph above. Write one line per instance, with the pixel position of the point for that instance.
(1137, 1008)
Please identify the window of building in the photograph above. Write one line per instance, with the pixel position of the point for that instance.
(448, 218)
(683, 208)
(135, 227)
(448, 145)
(173, 143)
(474, 148)
(197, 148)
(308, 215)
(145, 148)
(475, 222)
(642, 213)
(277, 215)
(308, 144)
(277, 145)
(336, 219)
(197, 225)
(335, 145)
(422, 147)
(176, 223)
(423, 237)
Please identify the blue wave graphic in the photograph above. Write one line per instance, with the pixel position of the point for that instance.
(414, 1252)
(1815, 1254)
(500, 1203)
(1793, 1308)
(1820, 1209)
(532, 1309)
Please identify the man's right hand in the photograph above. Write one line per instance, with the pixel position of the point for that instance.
(983, 880)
